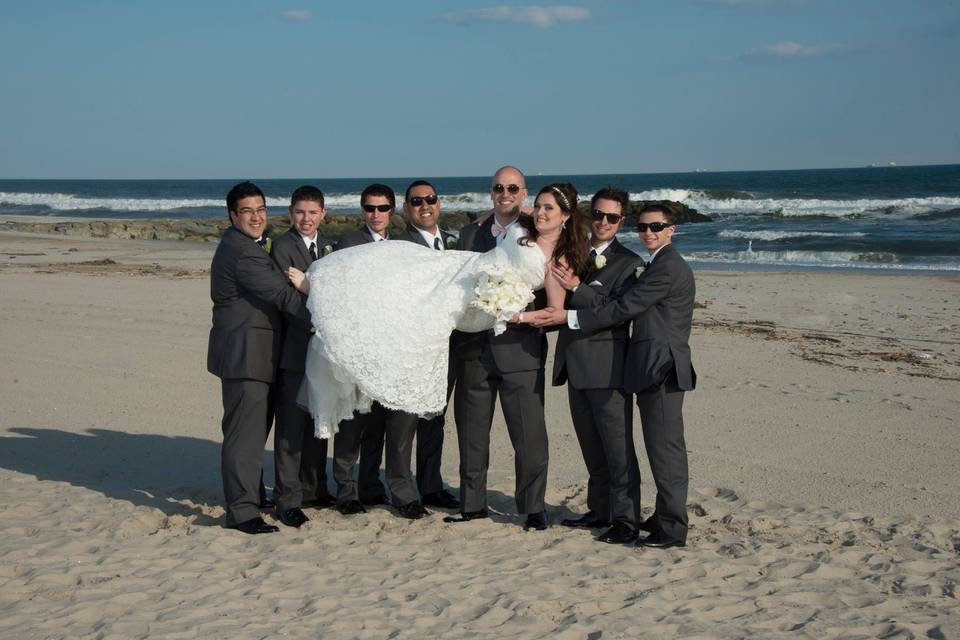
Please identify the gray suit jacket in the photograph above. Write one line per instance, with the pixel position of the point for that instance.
(410, 234)
(248, 293)
(521, 347)
(289, 251)
(660, 305)
(595, 361)
(354, 238)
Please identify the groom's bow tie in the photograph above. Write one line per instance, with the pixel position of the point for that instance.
(497, 229)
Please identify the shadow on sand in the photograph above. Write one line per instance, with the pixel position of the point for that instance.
(177, 475)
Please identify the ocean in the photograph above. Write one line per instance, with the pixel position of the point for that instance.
(877, 218)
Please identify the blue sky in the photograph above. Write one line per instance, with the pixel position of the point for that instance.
(123, 89)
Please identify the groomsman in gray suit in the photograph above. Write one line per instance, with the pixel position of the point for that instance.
(367, 432)
(592, 368)
(422, 207)
(510, 366)
(659, 303)
(300, 458)
(249, 293)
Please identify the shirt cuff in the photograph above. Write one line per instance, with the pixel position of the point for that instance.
(572, 321)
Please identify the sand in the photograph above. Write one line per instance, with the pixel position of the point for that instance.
(825, 488)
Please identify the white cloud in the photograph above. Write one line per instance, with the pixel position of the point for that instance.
(536, 15)
(297, 15)
(796, 50)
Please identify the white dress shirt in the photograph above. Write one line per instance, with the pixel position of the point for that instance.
(429, 237)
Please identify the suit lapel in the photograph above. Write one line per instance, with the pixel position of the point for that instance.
(301, 247)
(660, 254)
(367, 233)
(607, 253)
(485, 236)
(416, 236)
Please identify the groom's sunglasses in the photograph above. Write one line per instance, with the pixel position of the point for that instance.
(612, 218)
(382, 208)
(512, 188)
(417, 201)
(656, 227)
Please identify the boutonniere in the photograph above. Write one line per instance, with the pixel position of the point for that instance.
(451, 242)
(600, 261)
(327, 250)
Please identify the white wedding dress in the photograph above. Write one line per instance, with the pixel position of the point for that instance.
(382, 315)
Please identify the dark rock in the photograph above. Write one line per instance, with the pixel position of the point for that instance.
(684, 214)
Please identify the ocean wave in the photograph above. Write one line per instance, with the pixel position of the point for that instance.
(721, 204)
(831, 259)
(70, 202)
(54, 202)
(944, 214)
(769, 235)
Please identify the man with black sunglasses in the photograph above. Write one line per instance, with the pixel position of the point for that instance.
(422, 207)
(592, 368)
(509, 366)
(377, 204)
(659, 304)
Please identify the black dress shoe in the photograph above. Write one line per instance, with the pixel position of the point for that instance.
(319, 503)
(619, 533)
(536, 521)
(660, 540)
(587, 520)
(467, 516)
(254, 526)
(443, 499)
(412, 511)
(350, 507)
(649, 525)
(375, 500)
(292, 517)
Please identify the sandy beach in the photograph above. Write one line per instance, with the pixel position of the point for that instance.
(823, 443)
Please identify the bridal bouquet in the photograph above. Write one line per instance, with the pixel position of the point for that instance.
(501, 293)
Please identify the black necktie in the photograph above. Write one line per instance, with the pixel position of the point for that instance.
(593, 253)
(313, 251)
(262, 241)
(436, 244)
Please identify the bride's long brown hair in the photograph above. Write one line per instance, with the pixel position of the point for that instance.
(573, 241)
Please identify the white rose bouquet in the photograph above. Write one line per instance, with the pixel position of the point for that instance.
(501, 292)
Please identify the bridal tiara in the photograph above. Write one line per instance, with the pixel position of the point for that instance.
(566, 203)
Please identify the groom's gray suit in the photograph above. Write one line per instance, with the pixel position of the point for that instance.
(602, 412)
(658, 369)
(300, 458)
(510, 365)
(249, 292)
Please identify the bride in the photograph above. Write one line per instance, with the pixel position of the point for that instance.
(383, 312)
